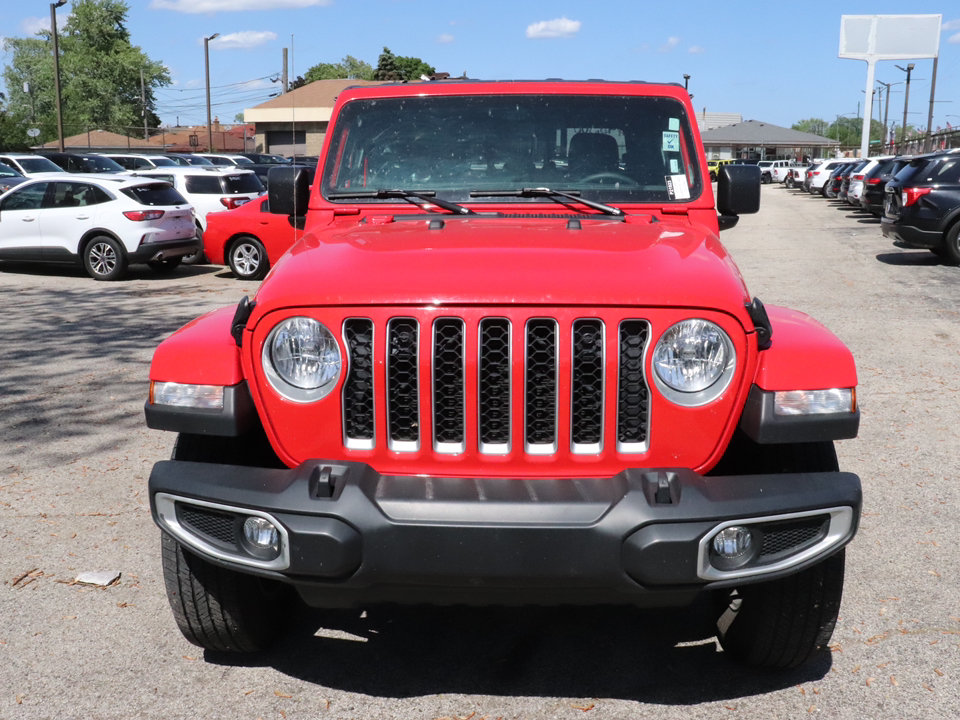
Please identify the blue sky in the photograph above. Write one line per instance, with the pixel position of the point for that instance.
(774, 61)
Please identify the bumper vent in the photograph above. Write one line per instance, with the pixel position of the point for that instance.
(208, 523)
(790, 536)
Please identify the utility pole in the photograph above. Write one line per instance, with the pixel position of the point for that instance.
(283, 78)
(206, 64)
(886, 112)
(906, 101)
(927, 144)
(56, 69)
(143, 105)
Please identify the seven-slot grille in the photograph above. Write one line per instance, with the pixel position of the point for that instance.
(544, 341)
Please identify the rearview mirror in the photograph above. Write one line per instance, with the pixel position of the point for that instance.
(738, 189)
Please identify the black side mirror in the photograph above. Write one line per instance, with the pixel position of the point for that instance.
(289, 190)
(738, 189)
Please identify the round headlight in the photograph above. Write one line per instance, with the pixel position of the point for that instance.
(302, 359)
(691, 357)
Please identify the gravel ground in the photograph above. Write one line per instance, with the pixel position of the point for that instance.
(75, 455)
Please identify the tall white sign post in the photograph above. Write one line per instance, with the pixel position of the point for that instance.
(886, 37)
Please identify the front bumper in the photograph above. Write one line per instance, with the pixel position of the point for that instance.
(351, 536)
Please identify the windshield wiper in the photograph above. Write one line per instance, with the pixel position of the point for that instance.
(547, 192)
(427, 196)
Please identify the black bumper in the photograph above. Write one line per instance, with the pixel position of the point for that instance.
(353, 536)
(165, 250)
(909, 235)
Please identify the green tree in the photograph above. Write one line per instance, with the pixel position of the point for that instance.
(412, 68)
(817, 126)
(100, 72)
(349, 67)
(387, 68)
(848, 131)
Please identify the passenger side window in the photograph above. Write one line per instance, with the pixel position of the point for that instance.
(28, 198)
(67, 195)
(949, 171)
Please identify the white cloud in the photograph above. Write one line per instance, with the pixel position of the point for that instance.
(445, 38)
(954, 38)
(241, 40)
(696, 50)
(193, 84)
(32, 25)
(196, 7)
(670, 44)
(951, 25)
(561, 27)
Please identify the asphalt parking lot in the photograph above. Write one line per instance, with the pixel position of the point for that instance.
(75, 455)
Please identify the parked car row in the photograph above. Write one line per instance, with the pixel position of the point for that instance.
(917, 198)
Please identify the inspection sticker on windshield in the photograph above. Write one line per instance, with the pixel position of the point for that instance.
(671, 141)
(677, 187)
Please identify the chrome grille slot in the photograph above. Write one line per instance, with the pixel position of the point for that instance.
(449, 416)
(358, 397)
(403, 386)
(540, 387)
(633, 395)
(586, 387)
(493, 393)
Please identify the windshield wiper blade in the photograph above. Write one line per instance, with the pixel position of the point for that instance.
(427, 196)
(547, 192)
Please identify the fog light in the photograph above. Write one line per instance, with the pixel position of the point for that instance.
(262, 535)
(732, 542)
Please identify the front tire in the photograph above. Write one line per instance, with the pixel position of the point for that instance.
(104, 259)
(216, 608)
(780, 623)
(783, 622)
(219, 609)
(248, 258)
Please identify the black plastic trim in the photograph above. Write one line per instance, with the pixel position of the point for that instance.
(237, 416)
(169, 248)
(480, 540)
(764, 426)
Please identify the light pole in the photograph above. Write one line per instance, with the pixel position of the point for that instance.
(906, 101)
(56, 69)
(206, 63)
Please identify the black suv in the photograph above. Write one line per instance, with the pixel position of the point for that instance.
(875, 182)
(921, 206)
(84, 162)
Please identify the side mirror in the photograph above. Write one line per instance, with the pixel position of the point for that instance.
(289, 190)
(738, 189)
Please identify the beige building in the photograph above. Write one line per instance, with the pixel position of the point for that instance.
(295, 123)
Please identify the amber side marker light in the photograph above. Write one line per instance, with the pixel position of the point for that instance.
(205, 397)
(815, 402)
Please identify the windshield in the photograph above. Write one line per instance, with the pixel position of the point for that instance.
(6, 171)
(607, 148)
(98, 163)
(38, 165)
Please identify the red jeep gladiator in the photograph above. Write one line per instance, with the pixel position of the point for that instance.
(510, 362)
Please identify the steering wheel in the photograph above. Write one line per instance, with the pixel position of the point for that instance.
(601, 176)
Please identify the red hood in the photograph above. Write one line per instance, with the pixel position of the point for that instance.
(499, 261)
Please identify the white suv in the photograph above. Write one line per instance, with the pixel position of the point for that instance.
(226, 159)
(821, 173)
(209, 189)
(104, 222)
(30, 165)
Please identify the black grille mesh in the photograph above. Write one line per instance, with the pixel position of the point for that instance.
(216, 525)
(448, 369)
(541, 382)
(633, 395)
(494, 380)
(358, 387)
(789, 535)
(587, 382)
(403, 403)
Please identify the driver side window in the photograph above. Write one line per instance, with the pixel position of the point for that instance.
(28, 198)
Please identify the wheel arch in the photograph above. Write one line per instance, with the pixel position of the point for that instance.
(95, 233)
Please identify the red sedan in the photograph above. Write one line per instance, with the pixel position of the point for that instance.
(250, 238)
